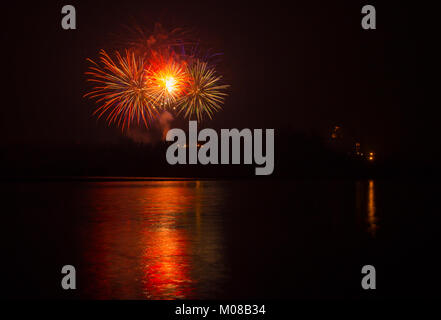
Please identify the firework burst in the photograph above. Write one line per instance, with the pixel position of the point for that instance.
(205, 93)
(120, 89)
(158, 39)
(160, 72)
(165, 82)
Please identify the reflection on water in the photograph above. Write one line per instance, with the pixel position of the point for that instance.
(165, 240)
(233, 239)
(365, 202)
(166, 259)
(372, 220)
(151, 239)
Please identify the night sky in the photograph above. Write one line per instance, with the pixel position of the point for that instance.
(301, 66)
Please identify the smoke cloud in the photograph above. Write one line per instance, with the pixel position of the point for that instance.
(156, 133)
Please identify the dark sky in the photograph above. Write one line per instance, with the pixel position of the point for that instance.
(303, 66)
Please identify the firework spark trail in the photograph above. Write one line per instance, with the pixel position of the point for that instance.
(120, 86)
(205, 92)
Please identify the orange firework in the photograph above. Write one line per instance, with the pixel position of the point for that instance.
(121, 90)
(165, 81)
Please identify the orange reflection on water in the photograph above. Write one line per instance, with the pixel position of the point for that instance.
(166, 259)
(140, 240)
(366, 205)
(371, 209)
(166, 266)
(152, 239)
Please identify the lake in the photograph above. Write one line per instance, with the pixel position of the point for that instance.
(209, 239)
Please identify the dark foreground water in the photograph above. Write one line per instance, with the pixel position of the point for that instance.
(220, 239)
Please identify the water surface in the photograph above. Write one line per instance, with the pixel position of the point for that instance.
(219, 239)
